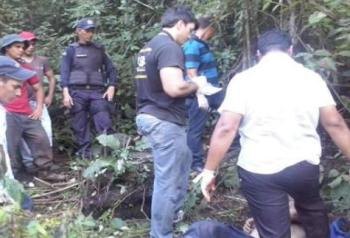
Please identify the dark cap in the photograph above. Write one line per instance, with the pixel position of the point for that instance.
(12, 69)
(9, 40)
(86, 24)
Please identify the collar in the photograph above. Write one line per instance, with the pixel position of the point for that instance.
(168, 34)
(196, 38)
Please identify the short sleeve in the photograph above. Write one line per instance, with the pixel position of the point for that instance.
(33, 80)
(323, 95)
(235, 98)
(170, 55)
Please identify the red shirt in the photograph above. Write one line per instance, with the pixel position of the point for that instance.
(21, 103)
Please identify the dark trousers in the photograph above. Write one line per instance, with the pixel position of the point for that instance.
(89, 104)
(21, 126)
(267, 197)
(197, 119)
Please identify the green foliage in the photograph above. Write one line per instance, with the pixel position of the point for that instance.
(116, 162)
(14, 189)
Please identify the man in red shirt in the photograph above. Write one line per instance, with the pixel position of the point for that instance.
(42, 68)
(23, 121)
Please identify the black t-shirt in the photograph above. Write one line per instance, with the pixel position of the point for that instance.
(162, 51)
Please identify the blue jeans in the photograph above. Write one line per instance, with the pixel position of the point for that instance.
(197, 119)
(172, 162)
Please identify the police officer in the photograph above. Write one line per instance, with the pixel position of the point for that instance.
(88, 80)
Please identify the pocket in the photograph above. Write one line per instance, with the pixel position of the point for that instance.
(146, 124)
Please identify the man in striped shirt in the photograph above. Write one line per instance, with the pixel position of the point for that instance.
(200, 61)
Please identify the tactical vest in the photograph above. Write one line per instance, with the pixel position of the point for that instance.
(87, 65)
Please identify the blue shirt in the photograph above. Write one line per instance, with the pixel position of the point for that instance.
(198, 56)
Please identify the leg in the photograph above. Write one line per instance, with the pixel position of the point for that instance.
(268, 204)
(80, 122)
(14, 132)
(302, 181)
(172, 160)
(38, 142)
(27, 157)
(99, 111)
(196, 124)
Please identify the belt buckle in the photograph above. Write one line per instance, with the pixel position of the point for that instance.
(87, 86)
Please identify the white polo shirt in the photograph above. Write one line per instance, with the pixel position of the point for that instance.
(279, 100)
(3, 141)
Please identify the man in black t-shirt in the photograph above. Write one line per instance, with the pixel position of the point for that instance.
(161, 92)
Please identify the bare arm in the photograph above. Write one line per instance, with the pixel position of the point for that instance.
(223, 135)
(336, 127)
(52, 84)
(39, 94)
(192, 73)
(174, 84)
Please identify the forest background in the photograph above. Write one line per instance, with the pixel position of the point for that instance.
(321, 34)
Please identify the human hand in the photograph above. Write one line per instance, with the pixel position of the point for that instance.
(37, 113)
(207, 178)
(202, 102)
(200, 81)
(249, 225)
(67, 99)
(109, 94)
(48, 100)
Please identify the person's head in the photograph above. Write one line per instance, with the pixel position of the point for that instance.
(13, 46)
(274, 40)
(31, 39)
(179, 21)
(205, 29)
(85, 30)
(12, 75)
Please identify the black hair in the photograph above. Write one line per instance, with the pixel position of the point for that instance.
(204, 22)
(3, 49)
(178, 13)
(274, 39)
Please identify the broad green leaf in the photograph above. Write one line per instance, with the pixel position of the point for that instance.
(336, 182)
(15, 189)
(327, 63)
(323, 52)
(118, 224)
(345, 53)
(316, 17)
(109, 141)
(95, 167)
(333, 173)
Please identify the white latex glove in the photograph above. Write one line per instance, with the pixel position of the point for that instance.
(201, 81)
(204, 87)
(207, 178)
(202, 102)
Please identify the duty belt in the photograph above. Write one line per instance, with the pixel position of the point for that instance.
(86, 87)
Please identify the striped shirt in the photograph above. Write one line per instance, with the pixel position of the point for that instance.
(198, 56)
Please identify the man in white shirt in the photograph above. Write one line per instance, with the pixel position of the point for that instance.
(12, 76)
(276, 106)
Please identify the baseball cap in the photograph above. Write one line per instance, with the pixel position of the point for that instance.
(10, 39)
(86, 24)
(27, 35)
(12, 69)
